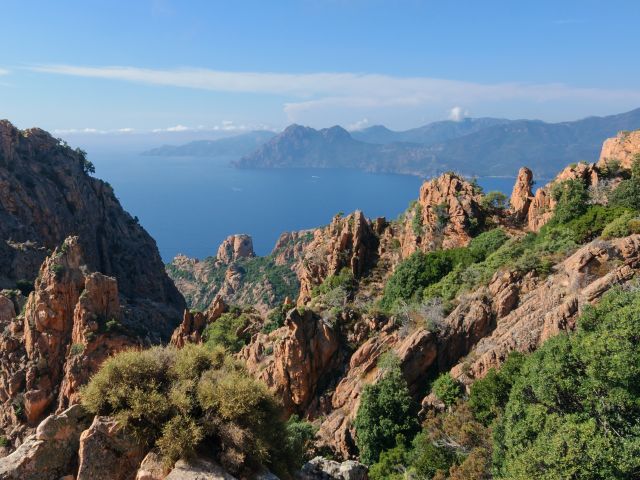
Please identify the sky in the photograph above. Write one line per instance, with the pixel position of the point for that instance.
(111, 71)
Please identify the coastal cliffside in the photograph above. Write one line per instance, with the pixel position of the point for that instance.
(432, 303)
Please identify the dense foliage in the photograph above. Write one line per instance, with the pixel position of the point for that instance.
(570, 410)
(226, 332)
(196, 398)
(421, 269)
(574, 410)
(386, 412)
(447, 389)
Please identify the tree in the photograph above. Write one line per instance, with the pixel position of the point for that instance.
(447, 389)
(494, 201)
(574, 411)
(386, 412)
(571, 197)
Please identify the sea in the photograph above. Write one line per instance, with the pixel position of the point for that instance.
(189, 205)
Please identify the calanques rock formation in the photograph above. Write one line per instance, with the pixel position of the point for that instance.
(449, 289)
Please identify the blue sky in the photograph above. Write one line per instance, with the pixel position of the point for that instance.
(215, 67)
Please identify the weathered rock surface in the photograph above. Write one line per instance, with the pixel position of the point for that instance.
(541, 207)
(72, 322)
(46, 196)
(235, 247)
(198, 469)
(302, 361)
(194, 323)
(623, 148)
(548, 307)
(51, 452)
(107, 453)
(322, 469)
(347, 242)
(521, 196)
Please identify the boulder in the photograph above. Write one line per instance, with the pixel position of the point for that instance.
(107, 453)
(51, 452)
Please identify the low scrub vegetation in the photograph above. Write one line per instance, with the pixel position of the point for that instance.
(569, 410)
(422, 270)
(197, 399)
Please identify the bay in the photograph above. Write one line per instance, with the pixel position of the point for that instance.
(190, 204)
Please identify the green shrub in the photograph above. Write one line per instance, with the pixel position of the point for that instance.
(300, 435)
(413, 275)
(447, 389)
(392, 463)
(619, 227)
(571, 197)
(627, 194)
(275, 318)
(76, 349)
(494, 201)
(343, 280)
(416, 222)
(227, 332)
(489, 394)
(182, 400)
(574, 409)
(386, 411)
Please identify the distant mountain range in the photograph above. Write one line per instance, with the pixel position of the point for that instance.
(235, 146)
(482, 146)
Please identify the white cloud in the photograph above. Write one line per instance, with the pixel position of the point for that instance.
(457, 114)
(342, 88)
(4, 71)
(359, 125)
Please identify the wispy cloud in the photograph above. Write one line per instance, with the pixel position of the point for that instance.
(4, 71)
(317, 91)
(224, 126)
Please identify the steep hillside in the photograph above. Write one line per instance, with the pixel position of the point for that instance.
(46, 195)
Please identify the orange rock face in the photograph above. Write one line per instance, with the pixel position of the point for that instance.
(348, 242)
(72, 322)
(541, 208)
(521, 196)
(235, 247)
(303, 359)
(194, 323)
(623, 148)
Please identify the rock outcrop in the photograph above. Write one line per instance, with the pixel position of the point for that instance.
(194, 323)
(521, 196)
(541, 208)
(107, 452)
(235, 247)
(623, 148)
(447, 211)
(301, 363)
(548, 307)
(47, 195)
(72, 321)
(347, 242)
(51, 452)
(238, 276)
(322, 469)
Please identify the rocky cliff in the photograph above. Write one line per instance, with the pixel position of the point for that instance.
(47, 195)
(238, 276)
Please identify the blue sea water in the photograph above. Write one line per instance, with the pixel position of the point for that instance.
(189, 205)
